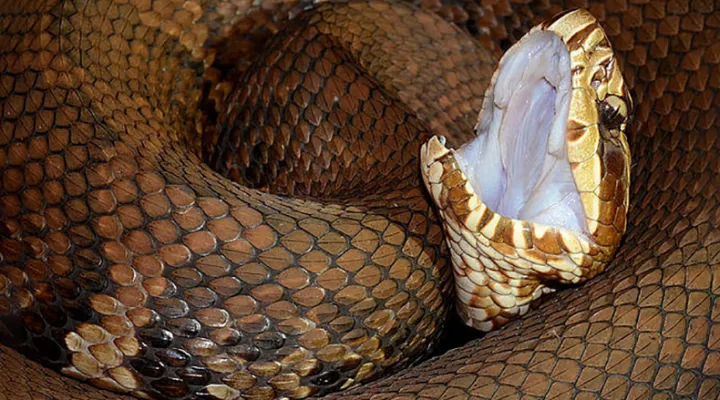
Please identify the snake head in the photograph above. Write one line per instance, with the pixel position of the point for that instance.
(541, 193)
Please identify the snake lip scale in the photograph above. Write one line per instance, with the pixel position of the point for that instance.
(542, 193)
(220, 199)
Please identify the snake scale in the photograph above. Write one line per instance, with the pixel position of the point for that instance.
(127, 262)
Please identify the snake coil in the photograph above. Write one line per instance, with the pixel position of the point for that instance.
(128, 263)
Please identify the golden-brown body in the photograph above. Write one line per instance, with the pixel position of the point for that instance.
(128, 263)
(646, 326)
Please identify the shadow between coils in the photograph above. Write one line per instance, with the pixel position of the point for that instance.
(457, 334)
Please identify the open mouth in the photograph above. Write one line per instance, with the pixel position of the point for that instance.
(540, 195)
(518, 164)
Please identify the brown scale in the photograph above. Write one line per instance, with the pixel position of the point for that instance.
(311, 123)
(74, 116)
(172, 281)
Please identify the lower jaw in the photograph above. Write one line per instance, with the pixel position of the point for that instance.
(501, 265)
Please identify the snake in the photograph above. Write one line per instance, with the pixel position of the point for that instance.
(283, 244)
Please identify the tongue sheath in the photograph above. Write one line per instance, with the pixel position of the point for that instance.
(518, 163)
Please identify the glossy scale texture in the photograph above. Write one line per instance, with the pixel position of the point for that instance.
(646, 328)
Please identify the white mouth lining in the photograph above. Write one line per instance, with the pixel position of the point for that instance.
(518, 162)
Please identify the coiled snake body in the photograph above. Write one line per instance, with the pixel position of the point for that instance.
(127, 262)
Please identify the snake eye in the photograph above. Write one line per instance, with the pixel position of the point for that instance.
(614, 112)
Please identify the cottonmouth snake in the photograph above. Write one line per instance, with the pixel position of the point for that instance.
(113, 90)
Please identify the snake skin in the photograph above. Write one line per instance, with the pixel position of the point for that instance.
(645, 329)
(500, 264)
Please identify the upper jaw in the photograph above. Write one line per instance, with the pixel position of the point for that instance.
(501, 263)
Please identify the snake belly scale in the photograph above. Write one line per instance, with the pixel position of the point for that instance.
(121, 252)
